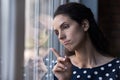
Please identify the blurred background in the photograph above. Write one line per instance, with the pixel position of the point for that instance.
(26, 35)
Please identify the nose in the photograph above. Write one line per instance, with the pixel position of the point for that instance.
(61, 36)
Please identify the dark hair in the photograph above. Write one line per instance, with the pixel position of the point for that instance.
(79, 12)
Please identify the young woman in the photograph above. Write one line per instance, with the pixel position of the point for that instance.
(87, 57)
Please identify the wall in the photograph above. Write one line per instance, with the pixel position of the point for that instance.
(109, 21)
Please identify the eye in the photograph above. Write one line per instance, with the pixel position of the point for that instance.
(64, 26)
(56, 32)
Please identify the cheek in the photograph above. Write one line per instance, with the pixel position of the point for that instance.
(78, 37)
(77, 34)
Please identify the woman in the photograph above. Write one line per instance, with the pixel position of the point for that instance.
(87, 57)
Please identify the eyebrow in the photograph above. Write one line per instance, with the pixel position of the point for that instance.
(63, 24)
(60, 25)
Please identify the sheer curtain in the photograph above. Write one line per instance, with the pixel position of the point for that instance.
(39, 38)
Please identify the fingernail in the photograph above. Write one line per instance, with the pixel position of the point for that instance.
(65, 67)
(64, 59)
(51, 48)
(65, 56)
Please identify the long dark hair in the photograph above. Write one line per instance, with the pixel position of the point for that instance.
(80, 12)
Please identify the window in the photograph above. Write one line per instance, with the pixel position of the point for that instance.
(39, 38)
(25, 38)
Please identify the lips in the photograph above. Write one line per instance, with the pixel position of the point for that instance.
(66, 42)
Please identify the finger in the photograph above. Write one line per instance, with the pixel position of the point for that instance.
(68, 63)
(59, 67)
(60, 59)
(55, 52)
(67, 59)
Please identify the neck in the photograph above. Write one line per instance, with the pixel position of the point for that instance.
(86, 60)
(86, 56)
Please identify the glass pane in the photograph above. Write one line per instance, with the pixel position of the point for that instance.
(38, 36)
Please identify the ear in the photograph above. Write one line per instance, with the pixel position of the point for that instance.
(85, 24)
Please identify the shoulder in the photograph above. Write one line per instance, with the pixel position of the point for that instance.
(116, 61)
(116, 67)
(115, 64)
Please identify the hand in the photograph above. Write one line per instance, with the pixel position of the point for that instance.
(63, 68)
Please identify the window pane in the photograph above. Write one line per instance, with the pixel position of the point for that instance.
(39, 37)
(38, 29)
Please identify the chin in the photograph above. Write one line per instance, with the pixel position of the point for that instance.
(70, 49)
(69, 52)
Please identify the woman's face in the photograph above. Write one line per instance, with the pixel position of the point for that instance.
(69, 32)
